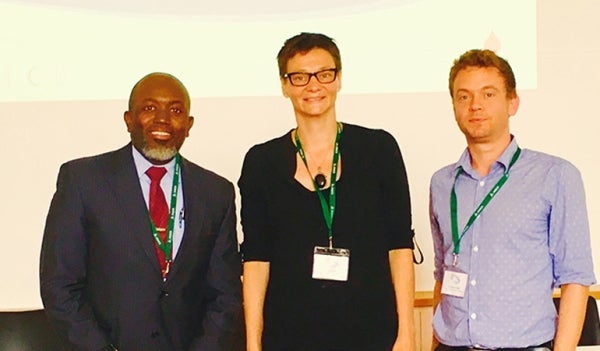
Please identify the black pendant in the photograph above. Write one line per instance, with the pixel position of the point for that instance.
(320, 180)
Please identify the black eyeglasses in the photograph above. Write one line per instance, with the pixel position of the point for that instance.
(300, 79)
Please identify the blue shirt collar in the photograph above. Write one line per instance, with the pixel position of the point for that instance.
(464, 161)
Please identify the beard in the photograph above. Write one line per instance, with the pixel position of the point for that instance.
(159, 153)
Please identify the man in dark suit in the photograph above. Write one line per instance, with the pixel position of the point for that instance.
(111, 277)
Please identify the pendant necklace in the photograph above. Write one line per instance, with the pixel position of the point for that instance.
(320, 180)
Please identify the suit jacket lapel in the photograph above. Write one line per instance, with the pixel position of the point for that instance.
(122, 175)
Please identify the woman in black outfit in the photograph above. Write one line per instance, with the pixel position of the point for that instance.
(327, 223)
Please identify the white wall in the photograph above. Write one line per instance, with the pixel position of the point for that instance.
(558, 115)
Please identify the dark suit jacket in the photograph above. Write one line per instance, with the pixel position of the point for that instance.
(100, 277)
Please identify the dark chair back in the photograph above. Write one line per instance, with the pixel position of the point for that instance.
(27, 331)
(590, 335)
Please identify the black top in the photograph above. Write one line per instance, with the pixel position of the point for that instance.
(283, 222)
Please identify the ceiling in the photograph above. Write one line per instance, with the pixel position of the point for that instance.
(215, 8)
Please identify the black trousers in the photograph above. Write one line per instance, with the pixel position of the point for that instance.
(547, 346)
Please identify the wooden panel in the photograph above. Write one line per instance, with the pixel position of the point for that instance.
(423, 329)
(426, 328)
(417, 315)
(423, 298)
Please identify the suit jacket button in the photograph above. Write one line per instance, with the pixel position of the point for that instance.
(164, 293)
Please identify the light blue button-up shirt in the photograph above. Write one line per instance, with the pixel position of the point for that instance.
(533, 236)
(166, 183)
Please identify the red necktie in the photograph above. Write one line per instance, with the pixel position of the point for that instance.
(159, 211)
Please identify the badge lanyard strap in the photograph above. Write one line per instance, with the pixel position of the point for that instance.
(327, 208)
(166, 247)
(453, 205)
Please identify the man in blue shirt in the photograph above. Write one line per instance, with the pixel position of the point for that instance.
(508, 226)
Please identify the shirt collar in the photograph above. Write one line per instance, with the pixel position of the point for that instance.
(142, 164)
(464, 161)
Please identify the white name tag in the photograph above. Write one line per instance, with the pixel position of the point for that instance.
(455, 283)
(330, 263)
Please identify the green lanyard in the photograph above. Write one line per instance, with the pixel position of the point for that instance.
(453, 205)
(167, 247)
(327, 208)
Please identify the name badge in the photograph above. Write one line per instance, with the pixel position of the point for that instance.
(455, 283)
(330, 263)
